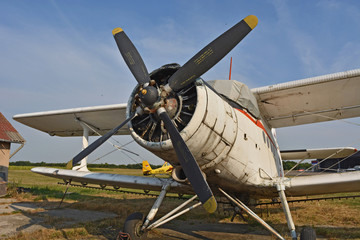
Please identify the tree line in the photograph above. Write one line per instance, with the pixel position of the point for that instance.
(289, 164)
(91, 165)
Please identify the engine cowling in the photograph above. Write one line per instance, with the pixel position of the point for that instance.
(205, 121)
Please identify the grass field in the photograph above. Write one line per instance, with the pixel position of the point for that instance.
(333, 219)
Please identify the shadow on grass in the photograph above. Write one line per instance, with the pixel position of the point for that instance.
(75, 218)
(44, 193)
(70, 221)
(203, 230)
(50, 192)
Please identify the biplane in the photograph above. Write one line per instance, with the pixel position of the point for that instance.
(166, 168)
(218, 135)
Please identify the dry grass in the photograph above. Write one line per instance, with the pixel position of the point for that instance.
(73, 233)
(340, 213)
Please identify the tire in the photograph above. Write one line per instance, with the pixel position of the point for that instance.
(308, 233)
(132, 226)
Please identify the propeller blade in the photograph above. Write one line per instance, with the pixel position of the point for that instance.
(131, 56)
(84, 153)
(189, 165)
(212, 54)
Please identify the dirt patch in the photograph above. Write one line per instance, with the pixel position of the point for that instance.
(30, 216)
(194, 230)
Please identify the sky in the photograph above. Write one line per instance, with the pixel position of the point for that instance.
(61, 54)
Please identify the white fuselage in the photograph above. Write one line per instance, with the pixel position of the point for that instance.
(232, 148)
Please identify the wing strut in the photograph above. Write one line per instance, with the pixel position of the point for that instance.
(67, 188)
(242, 206)
(85, 144)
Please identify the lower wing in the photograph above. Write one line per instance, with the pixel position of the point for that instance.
(115, 180)
(323, 184)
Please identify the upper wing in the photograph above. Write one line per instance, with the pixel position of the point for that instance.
(317, 153)
(66, 122)
(318, 99)
(115, 180)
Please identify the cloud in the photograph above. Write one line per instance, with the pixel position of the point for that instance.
(303, 44)
(348, 57)
(48, 62)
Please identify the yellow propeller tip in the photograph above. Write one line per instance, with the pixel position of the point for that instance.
(251, 20)
(116, 30)
(69, 165)
(210, 205)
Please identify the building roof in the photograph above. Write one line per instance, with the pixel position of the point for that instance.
(8, 133)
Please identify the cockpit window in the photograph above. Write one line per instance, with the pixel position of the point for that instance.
(238, 93)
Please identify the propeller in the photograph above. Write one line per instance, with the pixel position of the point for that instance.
(151, 99)
(211, 54)
(131, 56)
(84, 153)
(189, 164)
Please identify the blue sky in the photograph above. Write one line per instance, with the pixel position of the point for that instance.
(61, 54)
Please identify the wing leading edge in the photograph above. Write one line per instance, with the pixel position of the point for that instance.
(65, 123)
(324, 98)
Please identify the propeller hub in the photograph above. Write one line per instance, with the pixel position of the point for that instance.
(149, 95)
(171, 106)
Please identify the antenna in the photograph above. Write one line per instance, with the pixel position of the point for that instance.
(230, 68)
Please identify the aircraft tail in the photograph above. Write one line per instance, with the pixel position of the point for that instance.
(146, 169)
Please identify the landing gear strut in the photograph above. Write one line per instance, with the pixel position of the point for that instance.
(242, 206)
(307, 233)
(136, 226)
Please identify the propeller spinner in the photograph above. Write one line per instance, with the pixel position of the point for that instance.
(161, 100)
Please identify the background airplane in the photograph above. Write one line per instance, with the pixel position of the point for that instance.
(166, 168)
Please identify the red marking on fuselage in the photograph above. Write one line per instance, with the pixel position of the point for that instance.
(257, 123)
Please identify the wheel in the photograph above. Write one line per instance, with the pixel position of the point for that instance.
(132, 226)
(308, 233)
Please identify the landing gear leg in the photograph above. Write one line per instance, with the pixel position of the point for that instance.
(307, 233)
(281, 190)
(137, 228)
(156, 206)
